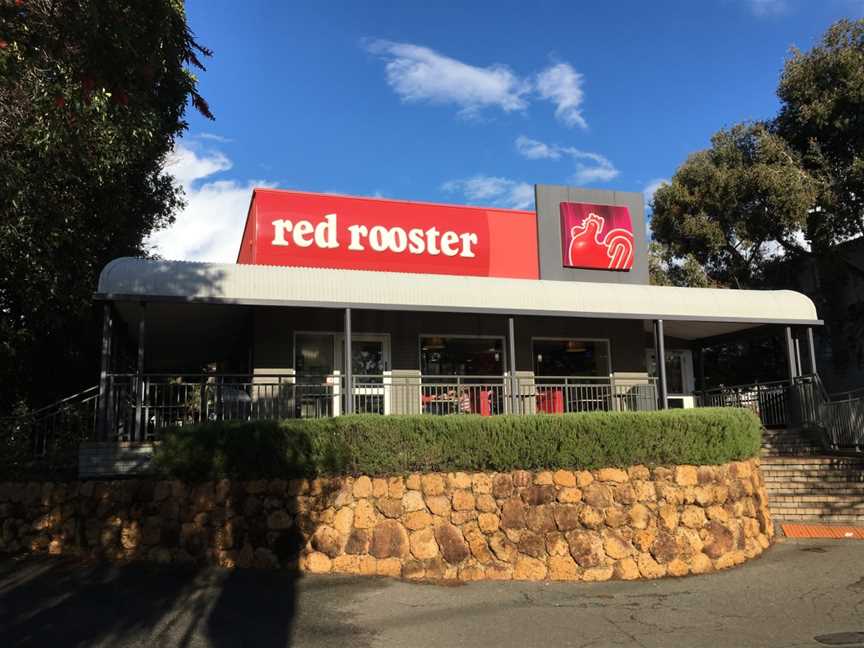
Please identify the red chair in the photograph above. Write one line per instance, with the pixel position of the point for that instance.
(550, 401)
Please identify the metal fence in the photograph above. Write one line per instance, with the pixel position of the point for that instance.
(45, 441)
(769, 400)
(800, 403)
(843, 420)
(169, 400)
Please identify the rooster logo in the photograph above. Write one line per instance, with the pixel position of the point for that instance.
(591, 246)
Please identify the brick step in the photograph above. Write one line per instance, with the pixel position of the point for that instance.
(852, 475)
(789, 452)
(849, 504)
(813, 479)
(820, 460)
(779, 468)
(783, 489)
(775, 443)
(816, 492)
(788, 440)
(814, 471)
(852, 520)
(787, 508)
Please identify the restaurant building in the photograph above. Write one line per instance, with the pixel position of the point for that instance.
(343, 304)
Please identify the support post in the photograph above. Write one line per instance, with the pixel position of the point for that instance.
(349, 378)
(511, 352)
(811, 347)
(790, 355)
(140, 424)
(103, 421)
(799, 368)
(660, 354)
(701, 368)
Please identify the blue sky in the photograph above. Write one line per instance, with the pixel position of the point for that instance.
(468, 102)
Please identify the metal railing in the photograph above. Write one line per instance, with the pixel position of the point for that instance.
(169, 400)
(842, 418)
(47, 439)
(800, 403)
(769, 400)
(491, 395)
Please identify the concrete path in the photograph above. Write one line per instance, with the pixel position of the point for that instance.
(801, 593)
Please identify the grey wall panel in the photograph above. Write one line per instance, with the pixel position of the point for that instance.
(548, 199)
(274, 338)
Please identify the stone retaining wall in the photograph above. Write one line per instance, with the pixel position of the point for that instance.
(563, 525)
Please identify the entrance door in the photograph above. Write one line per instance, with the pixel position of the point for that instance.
(370, 358)
(679, 375)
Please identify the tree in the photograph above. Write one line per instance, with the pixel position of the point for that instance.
(665, 270)
(92, 96)
(822, 118)
(731, 207)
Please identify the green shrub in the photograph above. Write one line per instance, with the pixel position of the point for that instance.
(379, 445)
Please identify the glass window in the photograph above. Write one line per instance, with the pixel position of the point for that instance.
(571, 357)
(314, 354)
(367, 357)
(457, 356)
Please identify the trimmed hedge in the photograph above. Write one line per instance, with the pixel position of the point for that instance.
(380, 445)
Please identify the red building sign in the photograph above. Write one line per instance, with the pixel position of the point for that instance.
(596, 236)
(316, 230)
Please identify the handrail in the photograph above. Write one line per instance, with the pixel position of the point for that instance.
(80, 396)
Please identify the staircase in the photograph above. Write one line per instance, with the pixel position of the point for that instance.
(806, 486)
(786, 442)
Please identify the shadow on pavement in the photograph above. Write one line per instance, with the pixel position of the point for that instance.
(51, 602)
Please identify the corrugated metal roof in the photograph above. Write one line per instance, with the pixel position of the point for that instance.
(129, 278)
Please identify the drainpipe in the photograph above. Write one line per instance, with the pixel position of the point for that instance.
(349, 379)
(660, 354)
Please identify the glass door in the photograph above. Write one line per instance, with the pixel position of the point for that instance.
(316, 392)
(370, 358)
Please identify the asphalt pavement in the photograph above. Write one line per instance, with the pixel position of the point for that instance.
(800, 593)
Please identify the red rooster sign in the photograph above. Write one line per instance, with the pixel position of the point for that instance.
(596, 236)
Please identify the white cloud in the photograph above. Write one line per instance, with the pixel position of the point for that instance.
(214, 137)
(536, 150)
(651, 188)
(187, 167)
(562, 85)
(419, 73)
(210, 227)
(590, 167)
(768, 7)
(494, 191)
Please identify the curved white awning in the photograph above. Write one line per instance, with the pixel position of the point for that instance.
(155, 280)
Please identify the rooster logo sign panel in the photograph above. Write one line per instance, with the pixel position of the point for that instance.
(596, 236)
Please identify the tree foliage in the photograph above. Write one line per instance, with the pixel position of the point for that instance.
(822, 118)
(731, 206)
(92, 96)
(787, 188)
